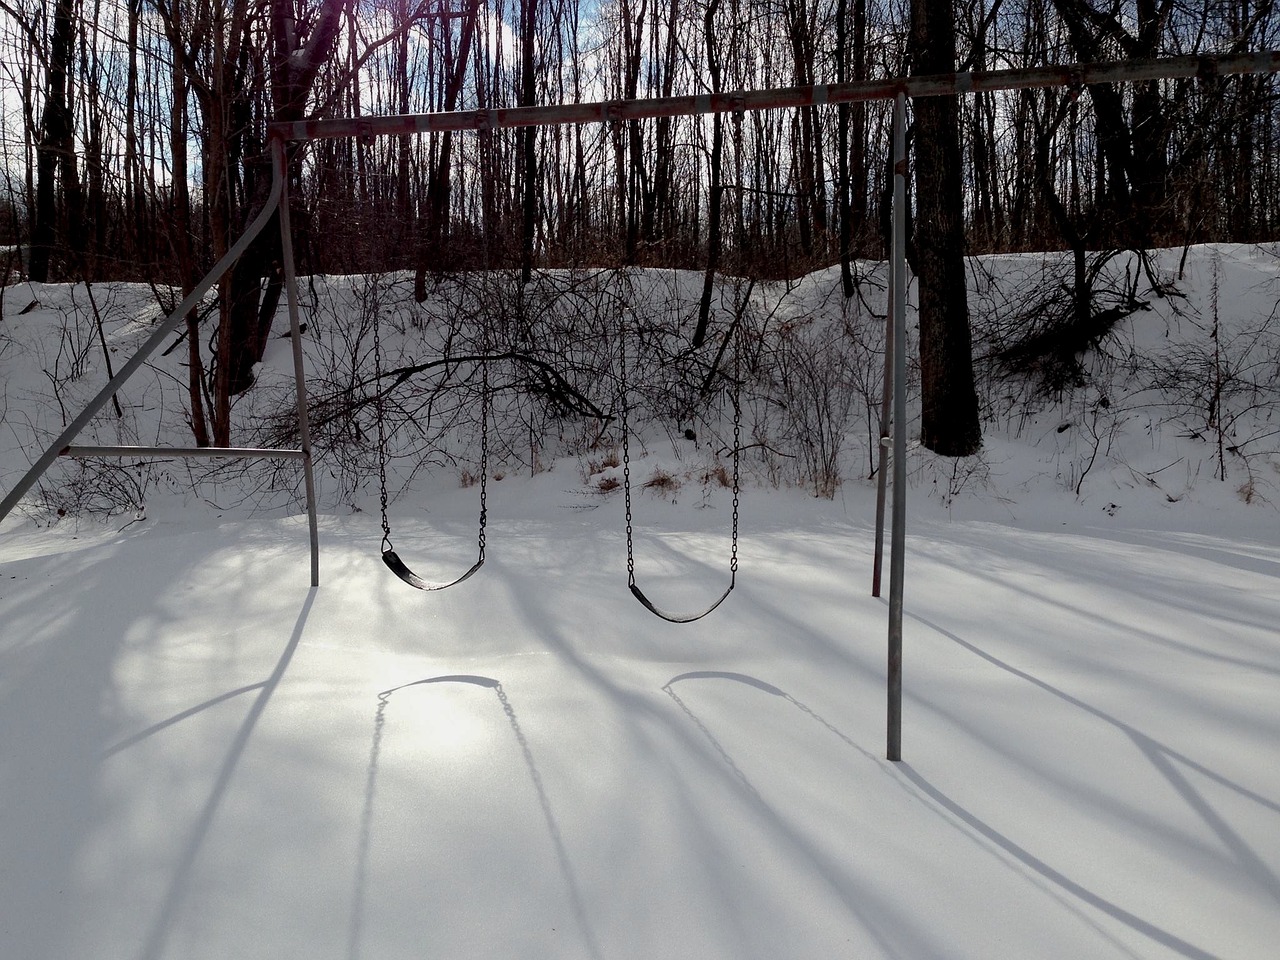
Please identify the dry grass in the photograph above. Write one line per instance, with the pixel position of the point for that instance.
(663, 481)
(718, 475)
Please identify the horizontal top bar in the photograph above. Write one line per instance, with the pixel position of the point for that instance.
(231, 452)
(1074, 75)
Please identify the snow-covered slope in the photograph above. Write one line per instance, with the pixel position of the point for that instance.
(203, 757)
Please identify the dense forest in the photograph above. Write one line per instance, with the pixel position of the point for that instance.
(133, 132)
(133, 135)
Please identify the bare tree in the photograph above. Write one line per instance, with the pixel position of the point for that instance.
(949, 415)
(55, 156)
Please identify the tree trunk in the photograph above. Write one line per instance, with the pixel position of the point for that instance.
(56, 147)
(632, 30)
(949, 416)
(717, 152)
(433, 249)
(249, 305)
(180, 234)
(528, 137)
(851, 163)
(137, 248)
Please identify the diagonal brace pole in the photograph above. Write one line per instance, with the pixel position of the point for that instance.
(170, 324)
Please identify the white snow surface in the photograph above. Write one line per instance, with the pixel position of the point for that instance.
(202, 756)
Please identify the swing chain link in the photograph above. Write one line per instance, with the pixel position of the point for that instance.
(626, 457)
(736, 399)
(486, 409)
(379, 405)
(737, 339)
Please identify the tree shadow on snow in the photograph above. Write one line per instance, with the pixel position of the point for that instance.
(1163, 758)
(70, 684)
(885, 921)
(180, 884)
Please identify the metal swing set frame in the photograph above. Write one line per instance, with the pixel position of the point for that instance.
(899, 89)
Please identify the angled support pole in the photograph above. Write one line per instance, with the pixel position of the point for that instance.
(144, 353)
(63, 444)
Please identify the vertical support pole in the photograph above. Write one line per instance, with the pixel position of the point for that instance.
(281, 173)
(897, 558)
(886, 415)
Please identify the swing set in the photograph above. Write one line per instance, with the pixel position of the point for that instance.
(626, 489)
(896, 89)
(389, 555)
(397, 565)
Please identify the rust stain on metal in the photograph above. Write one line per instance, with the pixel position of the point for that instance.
(940, 85)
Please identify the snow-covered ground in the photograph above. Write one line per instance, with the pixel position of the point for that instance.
(204, 757)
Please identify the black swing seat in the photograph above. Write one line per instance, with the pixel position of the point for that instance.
(398, 567)
(675, 617)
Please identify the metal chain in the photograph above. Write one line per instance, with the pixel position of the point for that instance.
(737, 455)
(486, 408)
(379, 405)
(626, 465)
(615, 125)
(485, 122)
(626, 456)
(736, 333)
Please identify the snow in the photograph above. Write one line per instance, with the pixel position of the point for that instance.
(204, 757)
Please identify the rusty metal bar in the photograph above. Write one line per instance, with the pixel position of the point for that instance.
(181, 452)
(950, 84)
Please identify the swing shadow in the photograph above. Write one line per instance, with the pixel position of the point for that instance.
(365, 834)
(773, 691)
